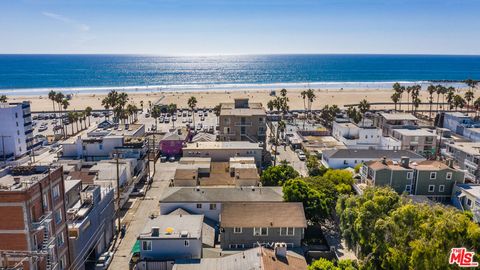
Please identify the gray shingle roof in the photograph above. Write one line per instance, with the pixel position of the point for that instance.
(223, 194)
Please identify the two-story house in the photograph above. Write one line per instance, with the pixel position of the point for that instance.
(434, 179)
(242, 121)
(467, 156)
(247, 225)
(420, 141)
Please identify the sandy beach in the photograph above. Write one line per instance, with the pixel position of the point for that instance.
(210, 99)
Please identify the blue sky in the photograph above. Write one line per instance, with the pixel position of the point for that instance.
(177, 27)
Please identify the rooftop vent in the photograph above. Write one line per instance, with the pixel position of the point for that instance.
(184, 234)
(155, 231)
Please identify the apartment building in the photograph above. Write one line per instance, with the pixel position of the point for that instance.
(391, 121)
(431, 178)
(467, 156)
(421, 141)
(349, 158)
(466, 197)
(16, 130)
(242, 121)
(90, 224)
(354, 136)
(33, 227)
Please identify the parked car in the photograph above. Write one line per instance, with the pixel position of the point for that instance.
(171, 159)
(104, 261)
(163, 159)
(147, 115)
(137, 192)
(42, 128)
(301, 155)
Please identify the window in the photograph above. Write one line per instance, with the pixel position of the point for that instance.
(433, 175)
(60, 239)
(100, 146)
(441, 188)
(449, 175)
(56, 191)
(409, 175)
(16, 115)
(408, 188)
(17, 124)
(63, 262)
(18, 132)
(431, 188)
(147, 245)
(236, 246)
(213, 206)
(260, 119)
(260, 231)
(58, 216)
(288, 231)
(186, 243)
(237, 230)
(45, 201)
(199, 205)
(469, 202)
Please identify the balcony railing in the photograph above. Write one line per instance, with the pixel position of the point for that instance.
(470, 164)
(46, 218)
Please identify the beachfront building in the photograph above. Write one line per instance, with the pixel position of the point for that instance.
(167, 238)
(390, 121)
(16, 130)
(242, 121)
(463, 125)
(208, 201)
(239, 171)
(90, 224)
(467, 156)
(421, 141)
(466, 197)
(33, 228)
(247, 225)
(269, 258)
(223, 151)
(431, 178)
(349, 158)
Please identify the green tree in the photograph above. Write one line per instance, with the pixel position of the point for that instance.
(431, 89)
(88, 113)
(277, 175)
(171, 109)
(363, 107)
(192, 103)
(3, 99)
(314, 167)
(315, 203)
(324, 264)
(156, 112)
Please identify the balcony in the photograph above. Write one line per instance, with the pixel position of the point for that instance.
(470, 164)
(40, 224)
(243, 124)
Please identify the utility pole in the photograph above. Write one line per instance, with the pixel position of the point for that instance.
(154, 155)
(116, 155)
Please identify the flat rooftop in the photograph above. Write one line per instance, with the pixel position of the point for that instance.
(371, 154)
(471, 148)
(23, 177)
(222, 194)
(174, 226)
(414, 132)
(398, 116)
(222, 145)
(473, 190)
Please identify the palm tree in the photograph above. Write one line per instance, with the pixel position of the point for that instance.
(51, 96)
(156, 112)
(271, 105)
(311, 97)
(471, 83)
(450, 96)
(71, 118)
(439, 89)
(172, 108)
(409, 89)
(469, 97)
(59, 97)
(415, 93)
(3, 99)
(399, 89)
(192, 103)
(283, 92)
(304, 97)
(458, 101)
(431, 90)
(476, 104)
(395, 98)
(64, 105)
(363, 107)
(81, 118)
(281, 126)
(88, 113)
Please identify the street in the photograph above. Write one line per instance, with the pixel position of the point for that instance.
(139, 211)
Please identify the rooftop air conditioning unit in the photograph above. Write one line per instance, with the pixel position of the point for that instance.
(155, 231)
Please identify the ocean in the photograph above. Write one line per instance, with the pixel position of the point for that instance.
(37, 74)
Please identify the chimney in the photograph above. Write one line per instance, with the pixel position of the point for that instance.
(450, 163)
(384, 160)
(16, 180)
(405, 162)
(281, 250)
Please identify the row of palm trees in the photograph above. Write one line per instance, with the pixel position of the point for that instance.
(449, 94)
(280, 104)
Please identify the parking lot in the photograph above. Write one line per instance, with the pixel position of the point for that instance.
(204, 120)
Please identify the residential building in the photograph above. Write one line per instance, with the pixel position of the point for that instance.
(90, 224)
(467, 156)
(467, 197)
(431, 178)
(275, 258)
(172, 142)
(242, 121)
(33, 228)
(101, 143)
(208, 201)
(246, 225)
(223, 151)
(421, 141)
(239, 171)
(362, 137)
(463, 125)
(16, 130)
(390, 121)
(167, 238)
(349, 158)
